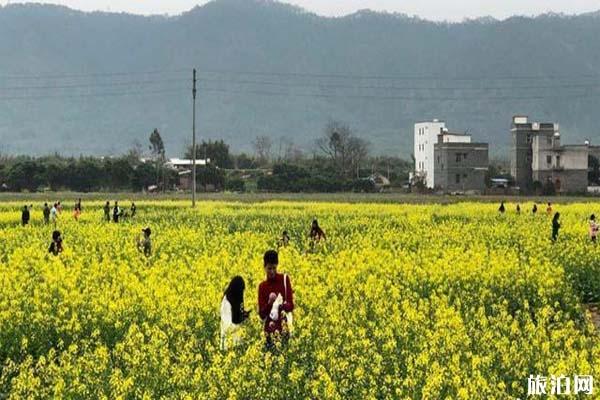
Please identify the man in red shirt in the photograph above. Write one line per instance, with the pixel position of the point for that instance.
(275, 290)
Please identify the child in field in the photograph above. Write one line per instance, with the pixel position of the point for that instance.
(549, 209)
(534, 209)
(232, 312)
(275, 301)
(133, 209)
(56, 245)
(518, 209)
(284, 240)
(502, 208)
(555, 226)
(593, 228)
(316, 233)
(144, 243)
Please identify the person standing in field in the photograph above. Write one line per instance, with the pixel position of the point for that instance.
(549, 209)
(555, 226)
(316, 233)
(54, 213)
(25, 215)
(76, 213)
(46, 212)
(593, 228)
(232, 312)
(133, 209)
(78, 205)
(116, 212)
(284, 240)
(59, 207)
(56, 245)
(518, 209)
(107, 211)
(144, 243)
(275, 301)
(534, 209)
(502, 208)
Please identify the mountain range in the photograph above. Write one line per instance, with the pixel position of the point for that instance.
(93, 83)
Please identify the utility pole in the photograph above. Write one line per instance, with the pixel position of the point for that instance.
(194, 141)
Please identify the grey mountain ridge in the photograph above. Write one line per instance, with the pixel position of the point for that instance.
(267, 68)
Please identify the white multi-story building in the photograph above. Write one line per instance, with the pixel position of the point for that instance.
(426, 136)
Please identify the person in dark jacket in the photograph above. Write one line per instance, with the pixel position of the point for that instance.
(518, 209)
(534, 209)
(502, 208)
(46, 213)
(116, 212)
(106, 210)
(232, 311)
(25, 215)
(133, 209)
(555, 226)
(56, 245)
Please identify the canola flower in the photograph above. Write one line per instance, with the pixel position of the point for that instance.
(400, 302)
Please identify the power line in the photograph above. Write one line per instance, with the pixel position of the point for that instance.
(91, 75)
(407, 98)
(342, 86)
(93, 85)
(397, 77)
(179, 90)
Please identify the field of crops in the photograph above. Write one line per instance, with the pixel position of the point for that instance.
(401, 302)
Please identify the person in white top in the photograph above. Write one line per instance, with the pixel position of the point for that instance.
(53, 214)
(232, 312)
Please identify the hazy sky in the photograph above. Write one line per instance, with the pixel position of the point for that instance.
(430, 9)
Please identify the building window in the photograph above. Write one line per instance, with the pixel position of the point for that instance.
(464, 176)
(528, 138)
(438, 159)
(549, 141)
(464, 156)
(457, 178)
(458, 157)
(549, 160)
(557, 161)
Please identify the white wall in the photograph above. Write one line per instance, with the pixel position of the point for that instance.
(425, 137)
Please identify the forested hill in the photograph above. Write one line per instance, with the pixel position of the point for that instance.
(66, 81)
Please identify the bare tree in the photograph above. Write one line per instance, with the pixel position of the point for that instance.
(345, 150)
(262, 148)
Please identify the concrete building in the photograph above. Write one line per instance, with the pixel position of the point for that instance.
(538, 157)
(425, 138)
(460, 165)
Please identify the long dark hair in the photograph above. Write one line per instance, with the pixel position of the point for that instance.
(235, 296)
(556, 216)
(235, 291)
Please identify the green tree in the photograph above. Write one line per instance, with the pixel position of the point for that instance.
(25, 175)
(216, 151)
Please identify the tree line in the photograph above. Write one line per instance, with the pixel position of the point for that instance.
(339, 161)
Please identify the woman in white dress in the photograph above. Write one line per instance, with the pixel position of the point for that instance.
(233, 313)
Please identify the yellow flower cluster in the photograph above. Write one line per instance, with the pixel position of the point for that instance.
(400, 302)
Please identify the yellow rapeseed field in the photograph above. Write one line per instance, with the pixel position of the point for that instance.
(400, 302)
